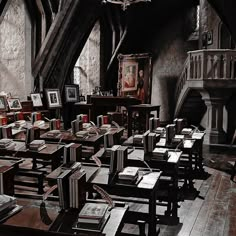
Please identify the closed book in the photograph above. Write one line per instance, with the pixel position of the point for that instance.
(63, 188)
(6, 201)
(93, 212)
(129, 173)
(77, 189)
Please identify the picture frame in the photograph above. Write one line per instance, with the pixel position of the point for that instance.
(71, 93)
(135, 76)
(53, 98)
(14, 104)
(3, 103)
(36, 99)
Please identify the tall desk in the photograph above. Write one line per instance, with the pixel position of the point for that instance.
(101, 104)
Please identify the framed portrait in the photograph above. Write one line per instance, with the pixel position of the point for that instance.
(53, 98)
(36, 99)
(134, 76)
(3, 103)
(71, 93)
(14, 104)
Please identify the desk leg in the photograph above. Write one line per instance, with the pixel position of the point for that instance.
(129, 123)
(152, 215)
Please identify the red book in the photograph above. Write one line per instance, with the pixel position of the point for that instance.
(105, 119)
(58, 124)
(38, 116)
(85, 118)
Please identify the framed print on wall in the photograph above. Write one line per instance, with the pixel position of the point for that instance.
(36, 99)
(53, 98)
(3, 103)
(71, 93)
(14, 104)
(134, 76)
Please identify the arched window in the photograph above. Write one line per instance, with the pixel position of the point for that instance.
(225, 39)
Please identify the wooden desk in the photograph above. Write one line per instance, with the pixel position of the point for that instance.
(169, 168)
(30, 221)
(113, 227)
(67, 137)
(101, 104)
(52, 152)
(145, 109)
(146, 188)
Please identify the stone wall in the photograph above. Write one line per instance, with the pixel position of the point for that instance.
(170, 47)
(15, 74)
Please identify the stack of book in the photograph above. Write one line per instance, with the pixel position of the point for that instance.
(170, 132)
(76, 125)
(149, 141)
(35, 116)
(81, 134)
(129, 173)
(100, 120)
(37, 145)
(187, 132)
(18, 115)
(105, 128)
(55, 124)
(72, 152)
(32, 133)
(180, 123)
(54, 133)
(159, 154)
(6, 143)
(92, 217)
(138, 139)
(160, 130)
(122, 156)
(154, 123)
(108, 139)
(7, 203)
(20, 123)
(63, 188)
(113, 159)
(77, 188)
(6, 131)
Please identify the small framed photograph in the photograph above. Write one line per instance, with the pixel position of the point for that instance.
(14, 104)
(36, 99)
(53, 98)
(71, 93)
(3, 103)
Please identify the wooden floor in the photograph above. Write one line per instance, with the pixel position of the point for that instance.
(211, 213)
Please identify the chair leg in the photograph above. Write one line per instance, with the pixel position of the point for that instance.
(233, 171)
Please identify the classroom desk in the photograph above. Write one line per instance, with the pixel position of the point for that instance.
(67, 137)
(33, 220)
(145, 188)
(52, 152)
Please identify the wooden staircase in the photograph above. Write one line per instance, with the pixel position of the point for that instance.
(206, 83)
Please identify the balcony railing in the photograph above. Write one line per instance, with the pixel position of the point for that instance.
(216, 64)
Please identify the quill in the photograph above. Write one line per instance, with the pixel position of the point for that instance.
(104, 195)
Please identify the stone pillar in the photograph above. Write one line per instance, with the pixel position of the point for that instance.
(215, 102)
